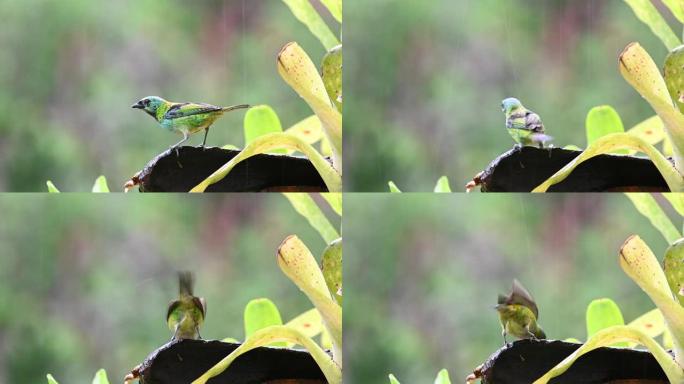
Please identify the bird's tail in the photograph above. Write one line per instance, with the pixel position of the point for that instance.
(186, 281)
(540, 138)
(232, 107)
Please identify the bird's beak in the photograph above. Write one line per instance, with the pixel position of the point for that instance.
(138, 105)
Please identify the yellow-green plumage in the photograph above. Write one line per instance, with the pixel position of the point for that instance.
(186, 315)
(183, 118)
(518, 314)
(524, 126)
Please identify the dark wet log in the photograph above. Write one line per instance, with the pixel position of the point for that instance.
(524, 169)
(181, 362)
(275, 173)
(527, 360)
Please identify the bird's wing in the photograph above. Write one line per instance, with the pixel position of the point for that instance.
(519, 295)
(201, 304)
(188, 109)
(172, 307)
(533, 122)
(517, 120)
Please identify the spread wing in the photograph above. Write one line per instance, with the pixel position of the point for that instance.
(172, 307)
(189, 109)
(519, 295)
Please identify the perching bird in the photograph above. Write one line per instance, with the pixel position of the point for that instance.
(186, 315)
(523, 125)
(518, 314)
(184, 118)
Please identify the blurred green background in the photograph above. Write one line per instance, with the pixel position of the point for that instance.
(431, 266)
(85, 283)
(425, 79)
(70, 70)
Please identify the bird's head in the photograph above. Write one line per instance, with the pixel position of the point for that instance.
(149, 104)
(510, 104)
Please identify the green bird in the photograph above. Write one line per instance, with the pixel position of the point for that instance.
(524, 126)
(186, 315)
(183, 118)
(518, 314)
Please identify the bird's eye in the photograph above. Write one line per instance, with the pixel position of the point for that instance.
(146, 102)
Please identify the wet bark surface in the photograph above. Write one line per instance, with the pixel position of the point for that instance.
(181, 362)
(527, 360)
(171, 172)
(521, 170)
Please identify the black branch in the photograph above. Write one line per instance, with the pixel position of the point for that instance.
(521, 170)
(181, 362)
(527, 360)
(169, 172)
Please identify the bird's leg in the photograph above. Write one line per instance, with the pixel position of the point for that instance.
(532, 335)
(206, 132)
(517, 147)
(503, 333)
(175, 146)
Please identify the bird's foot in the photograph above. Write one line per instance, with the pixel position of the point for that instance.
(517, 148)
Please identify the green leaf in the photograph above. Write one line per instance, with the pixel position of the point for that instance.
(308, 129)
(306, 206)
(100, 377)
(51, 187)
(335, 8)
(639, 70)
(51, 380)
(331, 265)
(259, 121)
(652, 323)
(305, 12)
(271, 141)
(677, 201)
(442, 185)
(331, 71)
(602, 314)
(611, 143)
(649, 15)
(298, 264)
(677, 8)
(615, 335)
(572, 147)
(100, 185)
(651, 130)
(297, 69)
(601, 121)
(266, 336)
(639, 263)
(392, 379)
(308, 323)
(443, 377)
(648, 206)
(673, 266)
(260, 314)
(334, 200)
(393, 187)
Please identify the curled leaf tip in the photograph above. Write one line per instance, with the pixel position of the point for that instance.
(279, 253)
(624, 245)
(282, 51)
